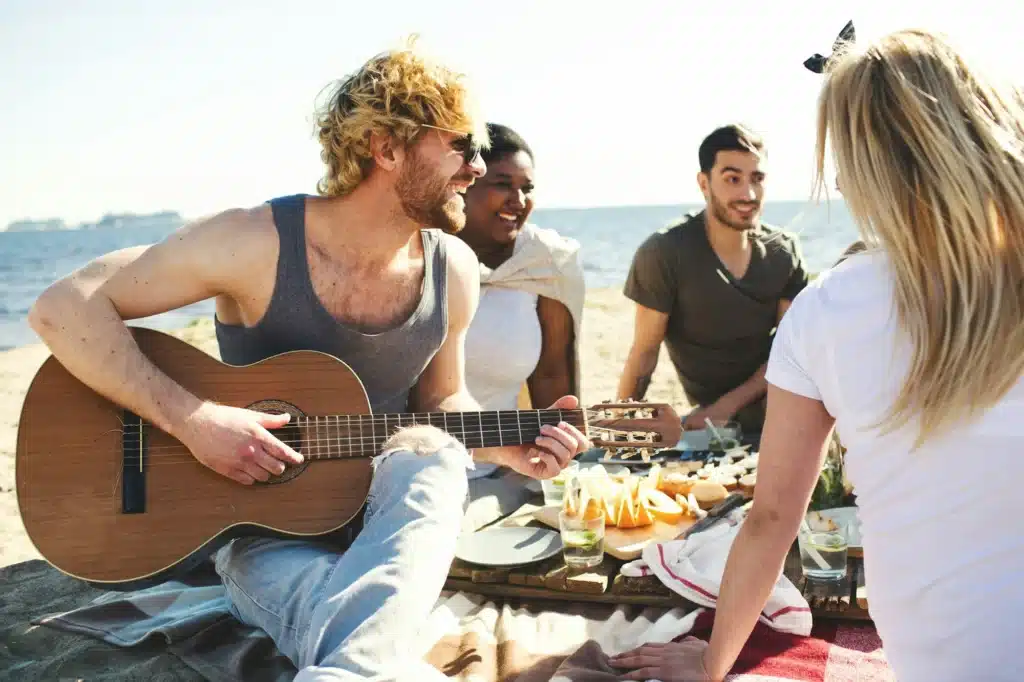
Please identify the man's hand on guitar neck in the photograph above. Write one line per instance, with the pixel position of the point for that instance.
(550, 453)
(236, 443)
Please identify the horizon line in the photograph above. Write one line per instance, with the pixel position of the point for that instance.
(564, 207)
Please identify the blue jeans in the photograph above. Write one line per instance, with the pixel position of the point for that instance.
(355, 614)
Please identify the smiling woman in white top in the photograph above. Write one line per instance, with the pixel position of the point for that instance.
(526, 328)
(914, 351)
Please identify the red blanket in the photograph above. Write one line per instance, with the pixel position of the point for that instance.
(833, 653)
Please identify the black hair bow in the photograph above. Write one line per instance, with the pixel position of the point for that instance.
(817, 63)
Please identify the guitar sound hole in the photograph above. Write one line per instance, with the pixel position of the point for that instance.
(290, 434)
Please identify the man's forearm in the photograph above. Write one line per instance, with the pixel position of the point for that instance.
(91, 341)
(750, 390)
(636, 376)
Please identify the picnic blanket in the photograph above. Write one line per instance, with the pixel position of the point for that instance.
(182, 630)
(479, 639)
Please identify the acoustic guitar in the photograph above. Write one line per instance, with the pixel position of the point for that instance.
(117, 502)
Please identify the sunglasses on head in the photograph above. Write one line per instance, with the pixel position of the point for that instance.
(464, 144)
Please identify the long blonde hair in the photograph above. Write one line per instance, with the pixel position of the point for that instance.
(930, 154)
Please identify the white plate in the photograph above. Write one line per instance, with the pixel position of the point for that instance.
(508, 546)
(848, 516)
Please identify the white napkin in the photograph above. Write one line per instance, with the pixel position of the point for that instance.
(694, 568)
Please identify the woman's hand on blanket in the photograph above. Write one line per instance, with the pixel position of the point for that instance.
(551, 451)
(668, 662)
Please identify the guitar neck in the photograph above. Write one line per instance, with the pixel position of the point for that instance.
(363, 435)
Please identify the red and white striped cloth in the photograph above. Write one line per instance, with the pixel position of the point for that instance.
(694, 568)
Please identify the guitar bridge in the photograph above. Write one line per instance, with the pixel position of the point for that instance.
(133, 465)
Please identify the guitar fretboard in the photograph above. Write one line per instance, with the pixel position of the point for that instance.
(363, 435)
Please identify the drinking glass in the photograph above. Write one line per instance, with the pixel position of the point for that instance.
(582, 539)
(823, 553)
(731, 435)
(554, 488)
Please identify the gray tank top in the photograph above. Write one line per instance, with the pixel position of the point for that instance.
(388, 363)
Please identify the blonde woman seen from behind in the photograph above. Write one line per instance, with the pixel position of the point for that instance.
(914, 351)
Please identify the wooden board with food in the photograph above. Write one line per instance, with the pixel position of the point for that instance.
(661, 504)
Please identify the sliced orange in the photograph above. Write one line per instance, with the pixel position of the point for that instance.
(610, 516)
(624, 516)
(662, 507)
(682, 502)
(569, 505)
(593, 509)
(643, 514)
(632, 488)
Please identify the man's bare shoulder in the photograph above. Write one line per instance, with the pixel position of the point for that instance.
(461, 257)
(233, 226)
(233, 237)
(463, 280)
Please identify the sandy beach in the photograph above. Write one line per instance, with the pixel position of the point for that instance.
(607, 333)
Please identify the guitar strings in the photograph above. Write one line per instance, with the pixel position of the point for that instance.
(179, 454)
(355, 421)
(332, 448)
(358, 443)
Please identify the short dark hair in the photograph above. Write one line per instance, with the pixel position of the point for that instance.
(504, 141)
(728, 138)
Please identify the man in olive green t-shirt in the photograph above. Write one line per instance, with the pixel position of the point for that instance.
(713, 288)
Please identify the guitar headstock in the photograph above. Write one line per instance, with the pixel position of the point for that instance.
(630, 424)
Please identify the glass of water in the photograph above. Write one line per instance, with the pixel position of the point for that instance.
(554, 488)
(823, 553)
(729, 435)
(582, 539)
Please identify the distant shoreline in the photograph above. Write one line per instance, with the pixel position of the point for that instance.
(129, 220)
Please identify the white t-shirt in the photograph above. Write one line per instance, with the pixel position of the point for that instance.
(503, 346)
(943, 527)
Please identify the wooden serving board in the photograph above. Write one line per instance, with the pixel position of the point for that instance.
(624, 543)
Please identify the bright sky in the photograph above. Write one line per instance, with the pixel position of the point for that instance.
(198, 105)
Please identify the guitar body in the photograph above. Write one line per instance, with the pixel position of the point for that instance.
(74, 476)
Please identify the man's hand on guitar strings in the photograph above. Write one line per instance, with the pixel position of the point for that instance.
(236, 443)
(553, 449)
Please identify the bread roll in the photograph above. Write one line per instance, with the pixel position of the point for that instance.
(726, 479)
(675, 483)
(708, 493)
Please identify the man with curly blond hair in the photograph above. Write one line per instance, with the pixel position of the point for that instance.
(365, 272)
